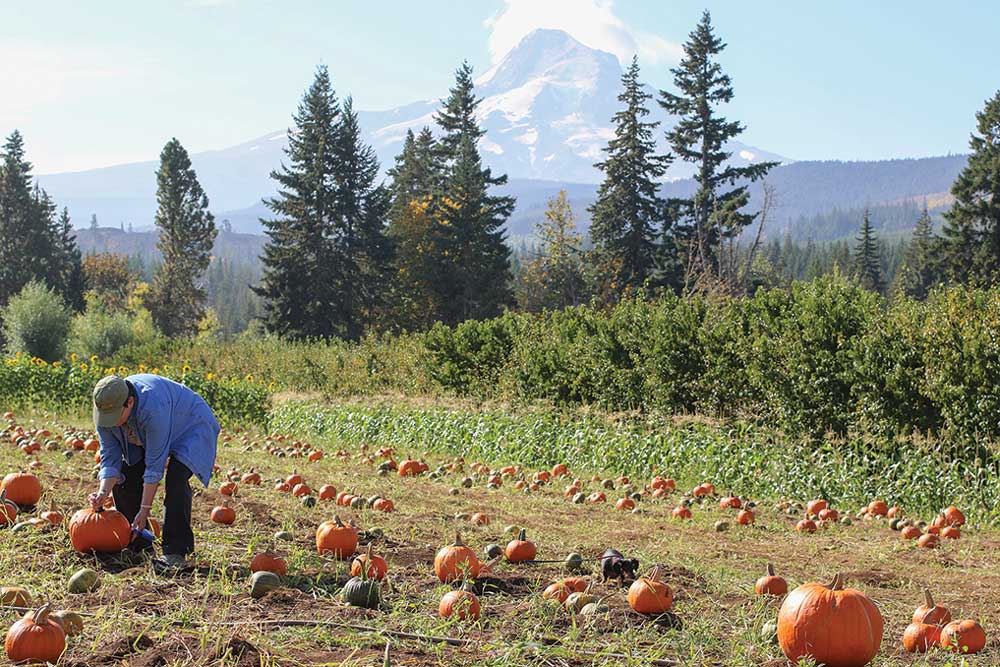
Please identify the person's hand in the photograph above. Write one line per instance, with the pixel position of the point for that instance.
(97, 499)
(140, 519)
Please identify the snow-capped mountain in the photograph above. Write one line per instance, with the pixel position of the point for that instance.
(546, 108)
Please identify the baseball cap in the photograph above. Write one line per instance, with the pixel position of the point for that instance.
(110, 396)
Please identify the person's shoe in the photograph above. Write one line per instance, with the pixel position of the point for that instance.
(170, 562)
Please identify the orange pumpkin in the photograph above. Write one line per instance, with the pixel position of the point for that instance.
(282, 487)
(327, 492)
(830, 515)
(730, 502)
(463, 604)
(35, 638)
(745, 517)
(597, 497)
(269, 562)
(8, 510)
(649, 595)
(376, 566)
(771, 584)
(301, 490)
(910, 533)
(919, 637)
(558, 591)
(830, 624)
(456, 561)
(520, 550)
(966, 637)
(878, 508)
(625, 504)
(681, 512)
(409, 468)
(22, 488)
(251, 477)
(384, 505)
(951, 532)
(336, 538)
(806, 526)
(223, 514)
(293, 479)
(53, 515)
(560, 470)
(102, 531)
(931, 613)
(315, 455)
(479, 519)
(229, 489)
(929, 541)
(953, 516)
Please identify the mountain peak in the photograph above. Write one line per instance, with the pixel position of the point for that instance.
(548, 53)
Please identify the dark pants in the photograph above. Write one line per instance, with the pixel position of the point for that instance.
(178, 538)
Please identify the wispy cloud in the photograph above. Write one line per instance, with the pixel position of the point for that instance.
(592, 22)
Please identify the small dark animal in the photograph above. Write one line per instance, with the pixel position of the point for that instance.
(615, 566)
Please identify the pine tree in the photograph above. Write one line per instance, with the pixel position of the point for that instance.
(628, 216)
(970, 248)
(69, 262)
(418, 256)
(474, 282)
(93, 222)
(359, 239)
(867, 259)
(700, 136)
(187, 233)
(918, 273)
(299, 277)
(555, 276)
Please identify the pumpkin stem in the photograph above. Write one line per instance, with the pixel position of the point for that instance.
(770, 570)
(41, 614)
(522, 536)
(52, 506)
(458, 540)
(928, 600)
(336, 520)
(838, 582)
(654, 575)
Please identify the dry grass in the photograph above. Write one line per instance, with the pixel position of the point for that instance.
(142, 619)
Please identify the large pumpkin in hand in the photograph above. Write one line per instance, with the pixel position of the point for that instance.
(104, 531)
(830, 624)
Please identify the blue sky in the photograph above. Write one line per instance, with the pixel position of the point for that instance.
(99, 83)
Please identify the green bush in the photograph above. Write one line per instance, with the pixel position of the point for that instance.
(36, 323)
(99, 332)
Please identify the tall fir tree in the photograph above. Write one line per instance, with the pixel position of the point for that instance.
(475, 278)
(359, 237)
(187, 233)
(918, 272)
(299, 275)
(418, 256)
(867, 258)
(700, 136)
(555, 276)
(629, 217)
(970, 245)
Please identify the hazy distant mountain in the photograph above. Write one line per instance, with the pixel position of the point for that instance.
(547, 108)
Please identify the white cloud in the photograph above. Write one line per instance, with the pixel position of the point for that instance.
(592, 22)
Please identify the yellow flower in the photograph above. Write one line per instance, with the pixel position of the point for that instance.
(186, 369)
(210, 376)
(109, 371)
(72, 357)
(93, 358)
(83, 367)
(123, 370)
(55, 364)
(249, 377)
(155, 370)
(12, 362)
(270, 386)
(142, 368)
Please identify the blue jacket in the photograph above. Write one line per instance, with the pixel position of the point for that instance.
(171, 421)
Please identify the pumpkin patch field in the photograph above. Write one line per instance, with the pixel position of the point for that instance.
(328, 539)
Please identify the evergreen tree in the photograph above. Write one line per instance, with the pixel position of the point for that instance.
(475, 279)
(554, 277)
(867, 260)
(628, 216)
(299, 276)
(187, 233)
(699, 136)
(359, 237)
(970, 247)
(417, 242)
(93, 222)
(69, 263)
(918, 273)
